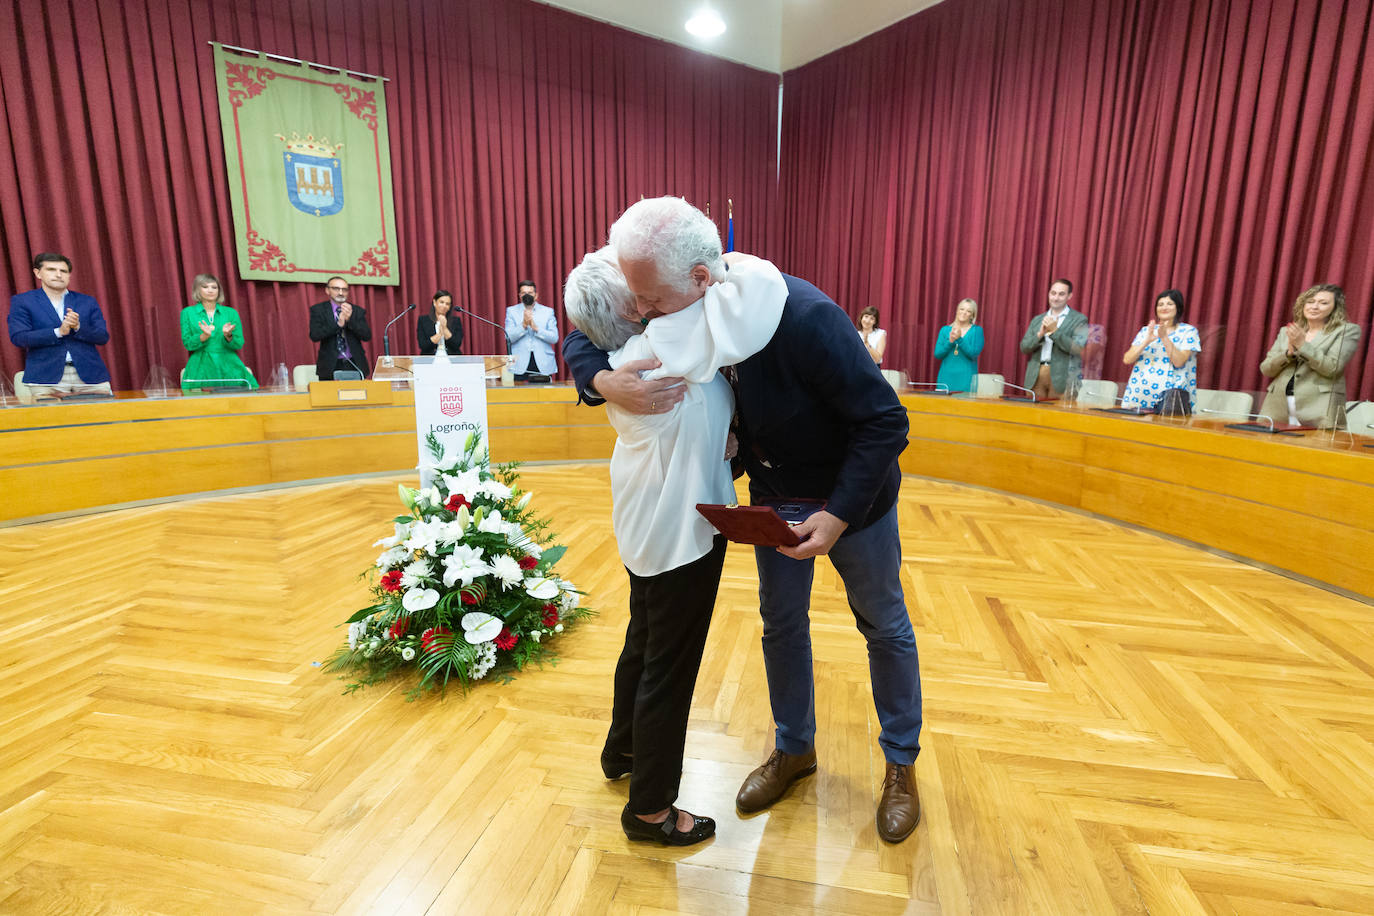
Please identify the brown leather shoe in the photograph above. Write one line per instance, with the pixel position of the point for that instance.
(900, 807)
(769, 782)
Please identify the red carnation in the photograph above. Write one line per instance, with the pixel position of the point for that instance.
(456, 502)
(469, 598)
(506, 639)
(528, 562)
(398, 629)
(392, 581)
(550, 615)
(429, 638)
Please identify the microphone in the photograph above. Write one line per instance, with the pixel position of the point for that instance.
(386, 341)
(487, 321)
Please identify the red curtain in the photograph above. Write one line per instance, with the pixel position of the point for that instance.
(985, 147)
(518, 132)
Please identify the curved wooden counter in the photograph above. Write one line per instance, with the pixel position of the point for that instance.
(70, 457)
(1305, 505)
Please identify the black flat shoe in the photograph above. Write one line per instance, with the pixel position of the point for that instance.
(616, 765)
(666, 833)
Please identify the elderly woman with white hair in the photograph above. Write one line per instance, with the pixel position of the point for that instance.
(663, 465)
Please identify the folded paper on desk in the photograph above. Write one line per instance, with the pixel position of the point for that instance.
(767, 524)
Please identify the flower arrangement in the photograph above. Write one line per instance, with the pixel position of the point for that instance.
(464, 587)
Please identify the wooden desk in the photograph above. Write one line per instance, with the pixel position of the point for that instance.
(1305, 505)
(1300, 504)
(65, 458)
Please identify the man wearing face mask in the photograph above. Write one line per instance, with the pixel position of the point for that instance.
(532, 329)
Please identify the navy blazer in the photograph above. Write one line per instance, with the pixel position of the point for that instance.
(817, 418)
(32, 323)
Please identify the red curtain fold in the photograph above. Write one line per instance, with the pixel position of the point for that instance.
(518, 132)
(985, 147)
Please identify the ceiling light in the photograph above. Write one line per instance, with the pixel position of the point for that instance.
(706, 23)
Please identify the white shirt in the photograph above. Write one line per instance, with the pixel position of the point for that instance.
(664, 464)
(875, 339)
(1048, 345)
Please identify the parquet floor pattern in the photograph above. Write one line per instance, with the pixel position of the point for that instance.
(1114, 724)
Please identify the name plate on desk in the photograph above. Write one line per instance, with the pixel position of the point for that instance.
(350, 394)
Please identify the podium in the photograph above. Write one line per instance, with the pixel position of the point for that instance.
(398, 370)
(450, 405)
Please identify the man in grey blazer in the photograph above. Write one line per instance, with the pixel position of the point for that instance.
(1054, 342)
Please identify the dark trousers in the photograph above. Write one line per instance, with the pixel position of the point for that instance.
(657, 672)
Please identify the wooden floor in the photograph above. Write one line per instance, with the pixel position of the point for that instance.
(1114, 724)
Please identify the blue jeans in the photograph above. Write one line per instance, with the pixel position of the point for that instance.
(869, 563)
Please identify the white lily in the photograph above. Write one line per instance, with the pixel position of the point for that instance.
(496, 489)
(468, 483)
(424, 536)
(479, 627)
(420, 599)
(492, 523)
(507, 570)
(464, 565)
(543, 589)
(402, 532)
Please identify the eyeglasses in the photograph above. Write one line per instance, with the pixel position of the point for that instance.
(337, 289)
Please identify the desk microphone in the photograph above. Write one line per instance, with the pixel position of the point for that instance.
(487, 321)
(386, 341)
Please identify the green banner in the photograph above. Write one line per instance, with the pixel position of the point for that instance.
(309, 171)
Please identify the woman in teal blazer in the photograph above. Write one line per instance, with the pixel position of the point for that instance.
(213, 335)
(957, 347)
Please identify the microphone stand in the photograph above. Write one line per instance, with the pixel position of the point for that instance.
(498, 327)
(386, 340)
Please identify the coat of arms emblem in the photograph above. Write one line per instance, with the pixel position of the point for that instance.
(450, 401)
(314, 174)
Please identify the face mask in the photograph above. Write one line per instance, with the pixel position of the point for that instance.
(527, 299)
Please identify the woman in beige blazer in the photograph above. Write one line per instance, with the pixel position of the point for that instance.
(1307, 361)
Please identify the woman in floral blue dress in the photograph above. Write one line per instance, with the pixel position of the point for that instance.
(1164, 354)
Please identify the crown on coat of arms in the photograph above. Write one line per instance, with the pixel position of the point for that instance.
(309, 146)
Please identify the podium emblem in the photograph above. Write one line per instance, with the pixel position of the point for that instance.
(450, 401)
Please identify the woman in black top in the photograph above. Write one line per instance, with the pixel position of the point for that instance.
(440, 327)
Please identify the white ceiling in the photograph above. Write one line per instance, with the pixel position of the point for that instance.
(773, 35)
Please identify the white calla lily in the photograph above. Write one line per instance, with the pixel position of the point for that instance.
(479, 627)
(420, 599)
(543, 589)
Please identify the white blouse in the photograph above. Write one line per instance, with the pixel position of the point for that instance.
(664, 464)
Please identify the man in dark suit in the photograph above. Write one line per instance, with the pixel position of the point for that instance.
(816, 419)
(59, 331)
(339, 327)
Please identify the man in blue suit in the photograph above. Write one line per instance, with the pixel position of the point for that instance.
(815, 419)
(59, 331)
(532, 331)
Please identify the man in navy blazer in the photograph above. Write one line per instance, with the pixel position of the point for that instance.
(59, 331)
(816, 420)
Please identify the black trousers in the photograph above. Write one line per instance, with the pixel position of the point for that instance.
(657, 672)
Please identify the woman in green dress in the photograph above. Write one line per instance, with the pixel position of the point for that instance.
(213, 336)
